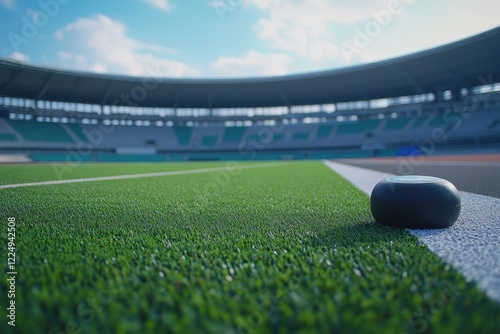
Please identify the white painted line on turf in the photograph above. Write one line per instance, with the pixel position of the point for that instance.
(472, 244)
(138, 176)
(364, 179)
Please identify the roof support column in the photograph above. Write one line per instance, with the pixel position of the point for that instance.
(285, 99)
(42, 91)
(104, 99)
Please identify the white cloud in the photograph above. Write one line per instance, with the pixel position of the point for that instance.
(19, 57)
(405, 34)
(261, 4)
(163, 5)
(9, 4)
(309, 28)
(319, 30)
(251, 64)
(100, 44)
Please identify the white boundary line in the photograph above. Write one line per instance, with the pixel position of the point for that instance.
(138, 176)
(472, 244)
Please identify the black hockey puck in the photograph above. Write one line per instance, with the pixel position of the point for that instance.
(417, 202)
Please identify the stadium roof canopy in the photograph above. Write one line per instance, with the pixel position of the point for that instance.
(464, 64)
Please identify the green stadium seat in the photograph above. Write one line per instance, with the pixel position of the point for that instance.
(77, 130)
(234, 134)
(209, 141)
(278, 136)
(183, 135)
(60, 157)
(324, 130)
(41, 131)
(396, 124)
(358, 127)
(7, 137)
(301, 135)
(131, 157)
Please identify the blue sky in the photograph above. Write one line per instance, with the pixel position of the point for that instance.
(231, 38)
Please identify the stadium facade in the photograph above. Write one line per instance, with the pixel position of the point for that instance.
(439, 100)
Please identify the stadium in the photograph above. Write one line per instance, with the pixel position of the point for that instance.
(147, 204)
(389, 108)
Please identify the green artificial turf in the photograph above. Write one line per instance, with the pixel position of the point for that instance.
(13, 174)
(287, 249)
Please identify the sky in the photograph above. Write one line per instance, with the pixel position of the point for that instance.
(231, 38)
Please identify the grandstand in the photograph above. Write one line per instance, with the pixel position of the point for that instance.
(440, 100)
